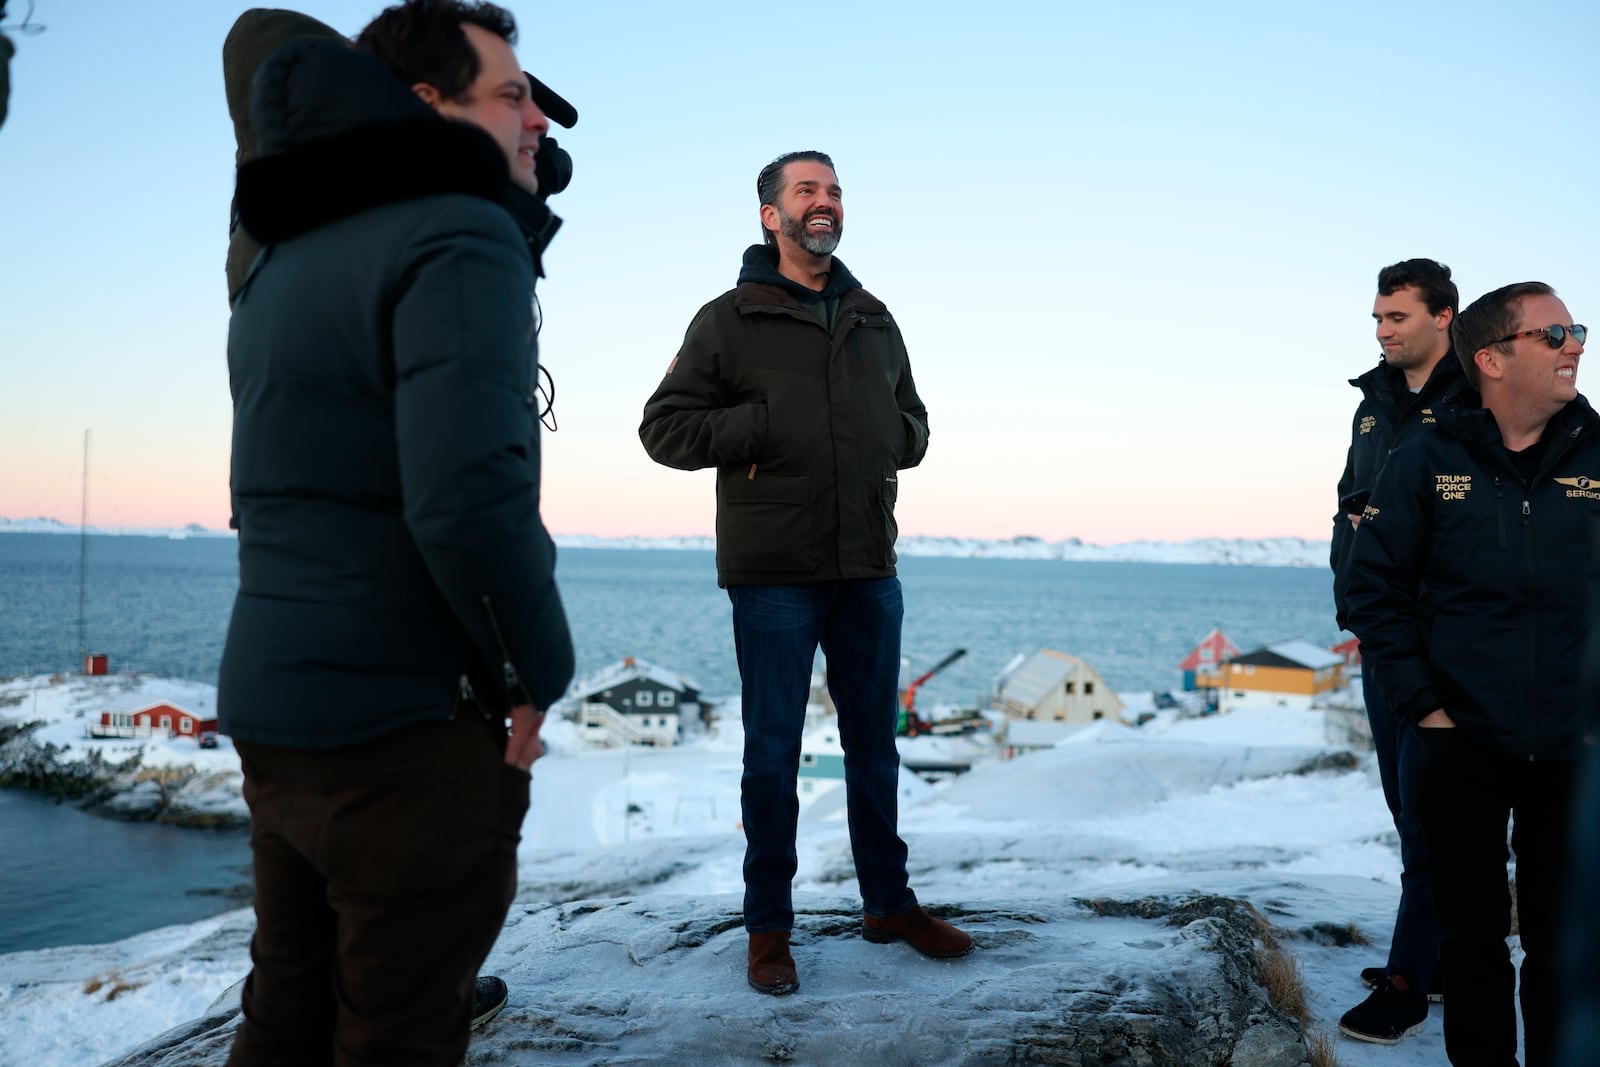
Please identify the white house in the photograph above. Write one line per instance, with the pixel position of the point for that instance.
(1056, 687)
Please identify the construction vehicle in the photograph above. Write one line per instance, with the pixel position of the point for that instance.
(910, 723)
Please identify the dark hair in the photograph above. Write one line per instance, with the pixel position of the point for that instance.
(1487, 319)
(1430, 277)
(422, 41)
(769, 183)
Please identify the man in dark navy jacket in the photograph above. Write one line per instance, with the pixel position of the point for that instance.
(1415, 305)
(1492, 515)
(397, 599)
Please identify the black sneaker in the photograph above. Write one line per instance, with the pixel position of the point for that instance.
(1386, 1016)
(488, 998)
(1371, 976)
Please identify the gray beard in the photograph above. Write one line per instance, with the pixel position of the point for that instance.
(818, 244)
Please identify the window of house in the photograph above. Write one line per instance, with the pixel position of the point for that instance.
(666, 698)
(186, 726)
(1072, 687)
(1099, 714)
(808, 759)
(1088, 689)
(1205, 655)
(644, 698)
(166, 722)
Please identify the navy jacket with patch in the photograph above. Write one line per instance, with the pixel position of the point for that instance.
(1388, 416)
(1498, 640)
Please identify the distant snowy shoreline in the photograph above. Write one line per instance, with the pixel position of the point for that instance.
(1239, 551)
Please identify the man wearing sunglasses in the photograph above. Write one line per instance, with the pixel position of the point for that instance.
(1414, 308)
(1466, 584)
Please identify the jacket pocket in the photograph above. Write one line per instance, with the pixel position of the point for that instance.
(765, 524)
(884, 522)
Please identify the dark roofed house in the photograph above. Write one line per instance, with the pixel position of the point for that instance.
(635, 702)
(1291, 675)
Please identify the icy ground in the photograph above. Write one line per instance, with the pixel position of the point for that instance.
(624, 942)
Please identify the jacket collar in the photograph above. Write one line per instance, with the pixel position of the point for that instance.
(1386, 383)
(761, 283)
(337, 134)
(1468, 420)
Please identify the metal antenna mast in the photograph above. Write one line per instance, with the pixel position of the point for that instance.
(83, 558)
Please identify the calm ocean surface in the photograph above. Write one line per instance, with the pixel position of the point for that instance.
(161, 606)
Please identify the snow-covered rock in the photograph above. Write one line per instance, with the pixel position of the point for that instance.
(1160, 980)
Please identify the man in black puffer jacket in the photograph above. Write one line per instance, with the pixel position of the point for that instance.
(397, 599)
(1414, 308)
(1493, 515)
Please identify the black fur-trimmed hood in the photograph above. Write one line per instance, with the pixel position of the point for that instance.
(337, 134)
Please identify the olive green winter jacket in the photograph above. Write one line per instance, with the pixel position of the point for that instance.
(807, 425)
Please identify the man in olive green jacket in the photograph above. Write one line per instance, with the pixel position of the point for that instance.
(796, 386)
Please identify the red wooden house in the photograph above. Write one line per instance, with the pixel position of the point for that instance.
(156, 720)
(1200, 667)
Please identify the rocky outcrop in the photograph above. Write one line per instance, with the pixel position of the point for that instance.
(123, 789)
(1172, 981)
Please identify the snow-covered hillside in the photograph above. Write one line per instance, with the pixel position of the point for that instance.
(625, 941)
(1255, 552)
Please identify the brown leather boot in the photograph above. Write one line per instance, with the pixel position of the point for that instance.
(771, 968)
(929, 936)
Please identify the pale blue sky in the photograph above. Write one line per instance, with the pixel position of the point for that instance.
(1132, 247)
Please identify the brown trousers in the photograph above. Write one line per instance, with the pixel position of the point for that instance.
(383, 874)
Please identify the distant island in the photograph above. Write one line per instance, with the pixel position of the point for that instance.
(1236, 551)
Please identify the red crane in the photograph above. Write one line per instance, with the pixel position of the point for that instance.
(911, 724)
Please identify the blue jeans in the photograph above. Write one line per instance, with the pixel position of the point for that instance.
(776, 632)
(1414, 949)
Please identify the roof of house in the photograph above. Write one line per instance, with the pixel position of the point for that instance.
(630, 669)
(1297, 654)
(1220, 646)
(1031, 681)
(167, 705)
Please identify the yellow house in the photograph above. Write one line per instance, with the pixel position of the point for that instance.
(1289, 675)
(1051, 686)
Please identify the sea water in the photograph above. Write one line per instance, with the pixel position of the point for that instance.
(160, 606)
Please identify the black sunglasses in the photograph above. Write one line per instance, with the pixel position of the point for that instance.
(1554, 336)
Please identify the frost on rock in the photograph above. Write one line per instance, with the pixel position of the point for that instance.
(1155, 980)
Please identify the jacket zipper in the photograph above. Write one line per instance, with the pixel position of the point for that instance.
(1500, 511)
(1533, 624)
(513, 681)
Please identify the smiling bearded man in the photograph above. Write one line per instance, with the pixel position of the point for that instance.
(1466, 585)
(796, 386)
